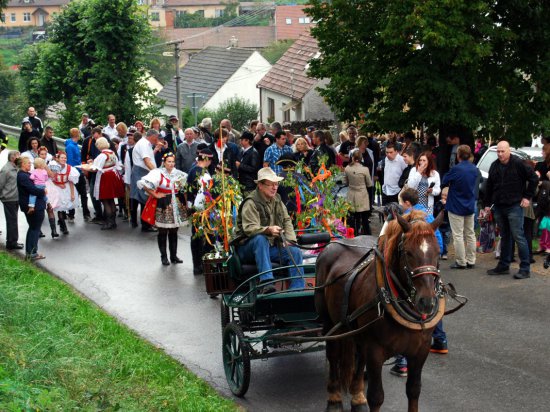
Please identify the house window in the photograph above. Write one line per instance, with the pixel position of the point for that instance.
(180, 13)
(3, 18)
(200, 13)
(303, 20)
(270, 108)
(286, 116)
(26, 17)
(155, 16)
(12, 18)
(141, 2)
(219, 12)
(288, 21)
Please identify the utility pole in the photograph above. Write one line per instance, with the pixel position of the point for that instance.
(177, 50)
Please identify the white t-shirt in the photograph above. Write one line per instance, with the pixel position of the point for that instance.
(392, 172)
(142, 150)
(110, 131)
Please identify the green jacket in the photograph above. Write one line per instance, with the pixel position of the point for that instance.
(256, 214)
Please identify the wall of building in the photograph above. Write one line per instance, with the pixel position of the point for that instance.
(243, 82)
(20, 12)
(280, 100)
(315, 106)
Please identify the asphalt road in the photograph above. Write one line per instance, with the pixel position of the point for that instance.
(499, 343)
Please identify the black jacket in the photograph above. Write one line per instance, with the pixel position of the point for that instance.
(49, 144)
(320, 151)
(228, 161)
(405, 176)
(25, 188)
(248, 169)
(24, 138)
(506, 184)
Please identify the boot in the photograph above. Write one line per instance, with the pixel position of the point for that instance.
(62, 224)
(161, 238)
(52, 226)
(173, 246)
(110, 222)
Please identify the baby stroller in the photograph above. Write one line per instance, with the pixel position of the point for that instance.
(487, 234)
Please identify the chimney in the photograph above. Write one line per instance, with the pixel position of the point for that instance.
(233, 42)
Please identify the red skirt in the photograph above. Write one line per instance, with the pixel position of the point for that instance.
(111, 186)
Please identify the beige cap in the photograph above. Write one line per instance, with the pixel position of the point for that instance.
(267, 173)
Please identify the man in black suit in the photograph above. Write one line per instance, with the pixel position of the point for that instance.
(249, 162)
(262, 140)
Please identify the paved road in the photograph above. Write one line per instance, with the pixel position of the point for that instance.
(499, 343)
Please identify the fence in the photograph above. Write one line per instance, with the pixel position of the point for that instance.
(14, 131)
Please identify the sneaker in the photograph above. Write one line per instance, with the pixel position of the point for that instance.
(499, 270)
(457, 266)
(470, 265)
(522, 274)
(400, 371)
(444, 257)
(439, 347)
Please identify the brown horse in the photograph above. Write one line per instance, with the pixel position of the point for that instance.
(396, 297)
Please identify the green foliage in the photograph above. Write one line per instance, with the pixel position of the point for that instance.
(240, 111)
(11, 96)
(439, 63)
(58, 352)
(92, 61)
(187, 20)
(275, 50)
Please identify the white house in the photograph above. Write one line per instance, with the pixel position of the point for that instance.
(287, 93)
(214, 75)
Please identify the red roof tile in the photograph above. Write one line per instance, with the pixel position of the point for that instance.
(248, 37)
(289, 75)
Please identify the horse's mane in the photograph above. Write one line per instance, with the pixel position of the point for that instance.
(419, 230)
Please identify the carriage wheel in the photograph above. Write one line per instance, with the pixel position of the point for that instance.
(225, 318)
(236, 359)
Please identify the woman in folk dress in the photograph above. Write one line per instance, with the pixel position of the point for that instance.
(61, 189)
(108, 183)
(167, 184)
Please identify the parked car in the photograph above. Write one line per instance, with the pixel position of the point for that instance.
(487, 160)
(535, 153)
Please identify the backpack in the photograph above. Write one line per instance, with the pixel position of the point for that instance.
(543, 199)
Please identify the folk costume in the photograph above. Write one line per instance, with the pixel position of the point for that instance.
(170, 212)
(108, 185)
(59, 193)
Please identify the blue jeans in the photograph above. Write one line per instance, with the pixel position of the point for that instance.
(33, 233)
(510, 221)
(439, 334)
(32, 198)
(258, 250)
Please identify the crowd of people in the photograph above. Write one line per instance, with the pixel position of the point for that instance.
(156, 177)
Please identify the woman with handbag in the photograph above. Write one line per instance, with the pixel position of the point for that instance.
(425, 180)
(166, 206)
(359, 180)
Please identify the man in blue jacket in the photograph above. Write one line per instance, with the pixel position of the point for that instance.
(461, 203)
(74, 159)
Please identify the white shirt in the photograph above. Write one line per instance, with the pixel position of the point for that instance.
(110, 131)
(393, 170)
(143, 150)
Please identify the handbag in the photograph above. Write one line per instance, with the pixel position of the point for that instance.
(149, 211)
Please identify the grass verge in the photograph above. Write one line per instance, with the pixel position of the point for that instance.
(59, 352)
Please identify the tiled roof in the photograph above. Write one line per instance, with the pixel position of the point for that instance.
(205, 73)
(295, 28)
(249, 37)
(37, 3)
(296, 83)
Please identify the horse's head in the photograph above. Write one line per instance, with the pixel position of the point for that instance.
(412, 253)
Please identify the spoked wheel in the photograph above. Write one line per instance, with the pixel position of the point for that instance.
(236, 359)
(224, 312)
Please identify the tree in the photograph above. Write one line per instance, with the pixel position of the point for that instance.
(442, 64)
(240, 111)
(93, 61)
(13, 101)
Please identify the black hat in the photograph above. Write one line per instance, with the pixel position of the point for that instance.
(247, 135)
(173, 117)
(205, 153)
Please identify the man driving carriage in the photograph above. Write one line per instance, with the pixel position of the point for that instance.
(262, 222)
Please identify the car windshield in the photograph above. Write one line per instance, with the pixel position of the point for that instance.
(488, 159)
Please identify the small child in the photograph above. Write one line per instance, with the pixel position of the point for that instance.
(39, 176)
(445, 227)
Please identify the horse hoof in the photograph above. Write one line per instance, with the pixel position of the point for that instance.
(335, 406)
(360, 408)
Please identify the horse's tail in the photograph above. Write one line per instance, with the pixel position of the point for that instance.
(341, 355)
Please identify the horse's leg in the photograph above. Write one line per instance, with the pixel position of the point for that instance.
(334, 387)
(375, 390)
(414, 378)
(357, 387)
